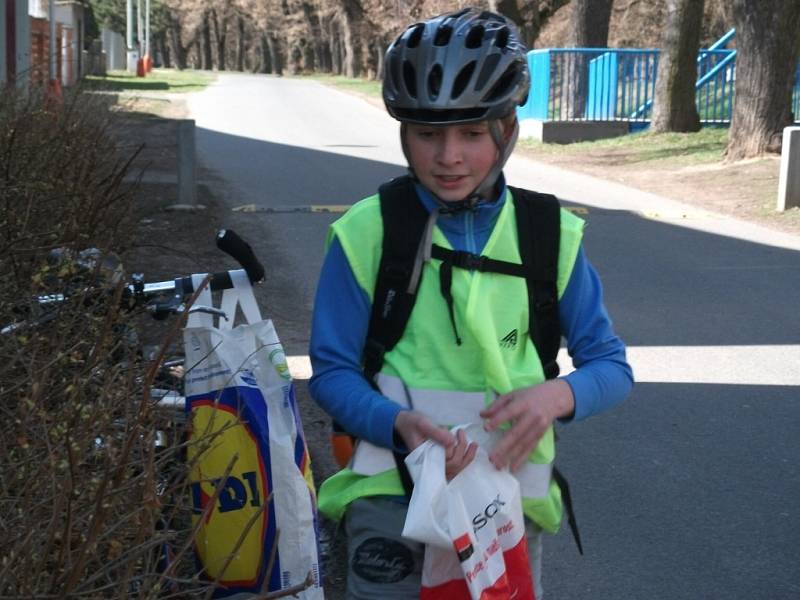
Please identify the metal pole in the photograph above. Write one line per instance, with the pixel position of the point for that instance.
(131, 61)
(147, 30)
(139, 26)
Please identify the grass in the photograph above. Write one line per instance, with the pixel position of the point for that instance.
(705, 146)
(158, 80)
(369, 87)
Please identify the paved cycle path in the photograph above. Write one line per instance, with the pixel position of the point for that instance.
(687, 490)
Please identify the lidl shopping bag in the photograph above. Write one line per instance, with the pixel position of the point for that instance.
(472, 528)
(249, 465)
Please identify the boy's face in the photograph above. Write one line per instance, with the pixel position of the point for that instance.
(451, 160)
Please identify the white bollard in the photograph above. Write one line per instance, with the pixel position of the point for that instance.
(187, 172)
(789, 181)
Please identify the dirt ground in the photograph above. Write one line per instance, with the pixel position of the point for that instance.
(747, 190)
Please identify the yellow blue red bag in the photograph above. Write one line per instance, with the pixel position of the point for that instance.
(250, 472)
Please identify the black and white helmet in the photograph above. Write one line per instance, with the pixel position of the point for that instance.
(458, 67)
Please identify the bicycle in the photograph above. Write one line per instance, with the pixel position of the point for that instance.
(134, 449)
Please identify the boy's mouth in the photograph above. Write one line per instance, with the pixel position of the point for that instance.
(449, 179)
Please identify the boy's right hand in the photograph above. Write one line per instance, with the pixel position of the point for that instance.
(414, 428)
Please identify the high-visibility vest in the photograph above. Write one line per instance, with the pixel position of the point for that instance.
(450, 382)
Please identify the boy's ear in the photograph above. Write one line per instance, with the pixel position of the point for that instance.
(509, 123)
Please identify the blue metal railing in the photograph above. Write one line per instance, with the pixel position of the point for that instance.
(796, 96)
(601, 84)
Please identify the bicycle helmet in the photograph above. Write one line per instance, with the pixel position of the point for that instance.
(458, 67)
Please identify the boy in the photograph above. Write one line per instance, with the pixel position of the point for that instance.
(466, 352)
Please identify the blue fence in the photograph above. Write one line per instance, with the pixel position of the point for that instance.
(601, 84)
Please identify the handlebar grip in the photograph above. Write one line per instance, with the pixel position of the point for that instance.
(229, 242)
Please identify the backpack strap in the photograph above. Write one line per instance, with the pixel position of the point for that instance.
(404, 221)
(539, 234)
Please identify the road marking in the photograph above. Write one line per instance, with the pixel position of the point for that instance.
(313, 208)
(720, 365)
(338, 208)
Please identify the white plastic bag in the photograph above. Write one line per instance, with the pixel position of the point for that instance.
(472, 526)
(240, 397)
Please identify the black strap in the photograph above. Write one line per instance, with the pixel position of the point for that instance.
(539, 231)
(566, 497)
(404, 221)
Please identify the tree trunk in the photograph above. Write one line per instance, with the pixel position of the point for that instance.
(525, 13)
(220, 27)
(275, 55)
(350, 20)
(206, 62)
(178, 51)
(240, 44)
(163, 48)
(674, 106)
(767, 50)
(379, 51)
(266, 58)
(590, 21)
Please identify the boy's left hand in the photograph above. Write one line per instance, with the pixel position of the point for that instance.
(530, 411)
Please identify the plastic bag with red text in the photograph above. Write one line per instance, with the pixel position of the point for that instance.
(472, 527)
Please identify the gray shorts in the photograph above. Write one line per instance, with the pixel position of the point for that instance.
(382, 564)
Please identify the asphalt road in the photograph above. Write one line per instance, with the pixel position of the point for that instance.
(691, 488)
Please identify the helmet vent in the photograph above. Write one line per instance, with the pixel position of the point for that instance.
(501, 39)
(416, 35)
(435, 81)
(410, 78)
(475, 37)
(443, 35)
(489, 65)
(462, 79)
(504, 84)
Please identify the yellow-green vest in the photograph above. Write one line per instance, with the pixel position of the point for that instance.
(491, 312)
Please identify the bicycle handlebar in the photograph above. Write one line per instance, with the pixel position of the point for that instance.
(229, 242)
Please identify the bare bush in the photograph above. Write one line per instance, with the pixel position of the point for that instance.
(88, 501)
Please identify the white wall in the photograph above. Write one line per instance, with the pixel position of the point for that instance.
(114, 47)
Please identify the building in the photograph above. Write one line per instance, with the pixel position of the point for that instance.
(24, 57)
(15, 45)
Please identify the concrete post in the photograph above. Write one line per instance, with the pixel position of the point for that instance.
(789, 181)
(187, 166)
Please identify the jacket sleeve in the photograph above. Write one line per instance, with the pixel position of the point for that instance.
(338, 330)
(602, 377)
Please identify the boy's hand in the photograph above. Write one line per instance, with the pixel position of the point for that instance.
(458, 456)
(530, 411)
(414, 428)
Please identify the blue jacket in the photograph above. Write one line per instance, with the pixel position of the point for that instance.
(601, 379)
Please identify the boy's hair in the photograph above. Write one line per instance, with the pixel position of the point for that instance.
(458, 67)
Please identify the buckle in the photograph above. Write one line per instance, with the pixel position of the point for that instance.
(467, 260)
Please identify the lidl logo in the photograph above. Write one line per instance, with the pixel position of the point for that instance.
(228, 468)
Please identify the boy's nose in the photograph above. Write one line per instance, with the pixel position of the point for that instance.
(449, 149)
